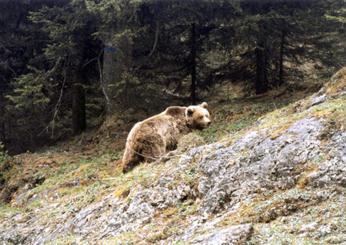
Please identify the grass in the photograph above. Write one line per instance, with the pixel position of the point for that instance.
(75, 181)
(267, 208)
(3, 154)
(128, 238)
(280, 120)
(6, 210)
(289, 230)
(170, 221)
(173, 219)
(63, 240)
(232, 118)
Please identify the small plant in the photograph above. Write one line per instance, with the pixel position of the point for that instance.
(3, 153)
(3, 158)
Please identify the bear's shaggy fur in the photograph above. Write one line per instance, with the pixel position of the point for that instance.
(150, 139)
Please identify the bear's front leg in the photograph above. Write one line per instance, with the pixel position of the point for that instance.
(168, 156)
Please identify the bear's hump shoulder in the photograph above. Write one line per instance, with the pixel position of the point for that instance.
(175, 111)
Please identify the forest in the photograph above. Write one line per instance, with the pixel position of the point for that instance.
(66, 65)
(181, 122)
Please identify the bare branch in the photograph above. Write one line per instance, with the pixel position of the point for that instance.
(102, 81)
(175, 95)
(88, 62)
(57, 105)
(156, 39)
(55, 67)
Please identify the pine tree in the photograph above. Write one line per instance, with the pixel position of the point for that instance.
(70, 28)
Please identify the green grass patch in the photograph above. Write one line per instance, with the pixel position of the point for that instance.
(7, 210)
(233, 118)
(128, 238)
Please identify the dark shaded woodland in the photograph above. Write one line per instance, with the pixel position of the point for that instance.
(66, 65)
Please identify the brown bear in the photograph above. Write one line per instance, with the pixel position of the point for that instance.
(150, 139)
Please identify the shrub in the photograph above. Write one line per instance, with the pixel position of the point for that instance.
(3, 154)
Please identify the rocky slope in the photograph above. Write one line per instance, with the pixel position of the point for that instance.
(280, 181)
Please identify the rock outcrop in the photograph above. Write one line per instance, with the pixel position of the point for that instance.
(282, 181)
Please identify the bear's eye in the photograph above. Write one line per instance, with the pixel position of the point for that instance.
(200, 117)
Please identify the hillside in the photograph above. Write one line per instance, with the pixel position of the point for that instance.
(265, 173)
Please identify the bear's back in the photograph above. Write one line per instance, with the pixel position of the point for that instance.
(175, 111)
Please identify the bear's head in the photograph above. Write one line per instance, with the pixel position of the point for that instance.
(198, 116)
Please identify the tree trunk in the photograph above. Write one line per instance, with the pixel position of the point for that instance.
(261, 83)
(117, 61)
(193, 64)
(281, 58)
(261, 76)
(78, 109)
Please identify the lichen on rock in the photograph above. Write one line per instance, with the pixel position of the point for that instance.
(280, 181)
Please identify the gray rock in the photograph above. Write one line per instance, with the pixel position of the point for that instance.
(270, 164)
(293, 171)
(318, 99)
(228, 236)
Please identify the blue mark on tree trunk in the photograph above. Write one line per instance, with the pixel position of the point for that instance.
(110, 49)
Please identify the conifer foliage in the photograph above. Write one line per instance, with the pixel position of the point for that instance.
(66, 64)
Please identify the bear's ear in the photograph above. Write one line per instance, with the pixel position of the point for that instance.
(189, 111)
(204, 105)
